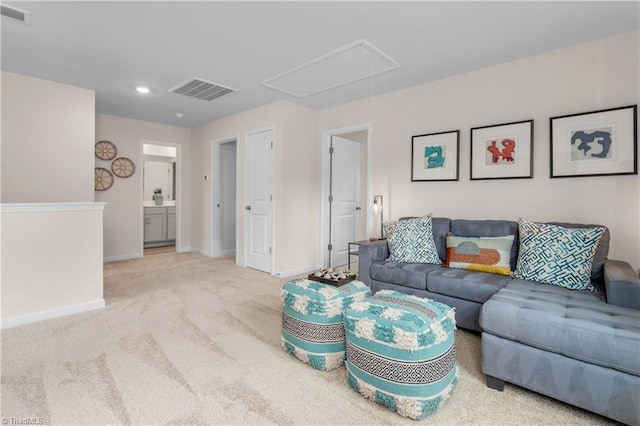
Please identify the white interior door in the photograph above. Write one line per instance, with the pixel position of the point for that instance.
(258, 206)
(345, 193)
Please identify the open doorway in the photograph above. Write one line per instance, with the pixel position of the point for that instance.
(160, 197)
(224, 198)
(345, 192)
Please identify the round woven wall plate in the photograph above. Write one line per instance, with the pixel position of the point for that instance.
(102, 179)
(123, 167)
(106, 150)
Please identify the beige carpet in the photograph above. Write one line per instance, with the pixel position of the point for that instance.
(187, 339)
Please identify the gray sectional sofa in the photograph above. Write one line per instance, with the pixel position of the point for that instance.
(580, 347)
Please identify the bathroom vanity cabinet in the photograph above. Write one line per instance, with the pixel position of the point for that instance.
(159, 226)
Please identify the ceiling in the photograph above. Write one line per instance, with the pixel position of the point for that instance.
(111, 47)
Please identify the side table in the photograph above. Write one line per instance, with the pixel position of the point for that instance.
(354, 251)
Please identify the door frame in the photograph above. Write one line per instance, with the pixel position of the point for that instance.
(179, 187)
(324, 183)
(214, 235)
(247, 181)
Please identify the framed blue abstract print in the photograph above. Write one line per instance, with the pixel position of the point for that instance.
(596, 143)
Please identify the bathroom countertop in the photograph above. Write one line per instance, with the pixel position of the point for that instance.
(167, 203)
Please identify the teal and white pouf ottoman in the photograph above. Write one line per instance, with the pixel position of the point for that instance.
(401, 352)
(312, 326)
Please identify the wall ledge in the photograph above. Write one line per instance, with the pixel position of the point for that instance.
(50, 207)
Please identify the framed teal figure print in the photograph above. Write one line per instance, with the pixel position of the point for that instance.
(435, 156)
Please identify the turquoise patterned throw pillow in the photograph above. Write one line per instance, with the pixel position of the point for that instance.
(556, 255)
(411, 241)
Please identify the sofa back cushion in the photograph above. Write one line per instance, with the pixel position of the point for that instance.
(489, 228)
(602, 250)
(499, 228)
(441, 225)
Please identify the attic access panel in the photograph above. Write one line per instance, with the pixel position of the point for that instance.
(350, 63)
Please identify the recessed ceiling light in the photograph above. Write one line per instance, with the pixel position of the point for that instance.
(142, 89)
(179, 115)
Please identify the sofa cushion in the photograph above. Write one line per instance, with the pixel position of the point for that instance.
(412, 275)
(467, 285)
(441, 226)
(557, 255)
(483, 254)
(488, 228)
(576, 324)
(412, 241)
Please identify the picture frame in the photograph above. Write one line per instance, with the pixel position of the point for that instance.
(435, 156)
(502, 151)
(595, 143)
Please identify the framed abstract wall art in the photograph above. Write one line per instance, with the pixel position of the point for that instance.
(434, 157)
(596, 143)
(502, 151)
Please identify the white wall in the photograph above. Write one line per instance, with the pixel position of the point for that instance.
(591, 76)
(296, 181)
(123, 213)
(297, 176)
(47, 141)
(51, 260)
(51, 228)
(233, 127)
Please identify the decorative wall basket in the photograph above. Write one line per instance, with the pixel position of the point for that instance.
(123, 167)
(103, 179)
(106, 150)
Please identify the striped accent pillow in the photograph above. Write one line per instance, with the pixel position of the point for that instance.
(483, 254)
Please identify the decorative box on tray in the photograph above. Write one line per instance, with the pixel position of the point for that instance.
(332, 277)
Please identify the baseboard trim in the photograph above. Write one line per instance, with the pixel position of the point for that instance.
(297, 271)
(53, 313)
(228, 252)
(108, 259)
(200, 252)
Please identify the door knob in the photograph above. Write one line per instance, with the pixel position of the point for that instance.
(358, 208)
(247, 207)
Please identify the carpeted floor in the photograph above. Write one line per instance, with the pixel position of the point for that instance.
(187, 339)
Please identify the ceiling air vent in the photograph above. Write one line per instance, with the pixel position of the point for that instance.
(15, 14)
(200, 89)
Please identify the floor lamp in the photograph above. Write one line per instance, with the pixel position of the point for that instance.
(377, 208)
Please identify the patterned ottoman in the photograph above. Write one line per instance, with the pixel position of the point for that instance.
(312, 327)
(401, 352)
